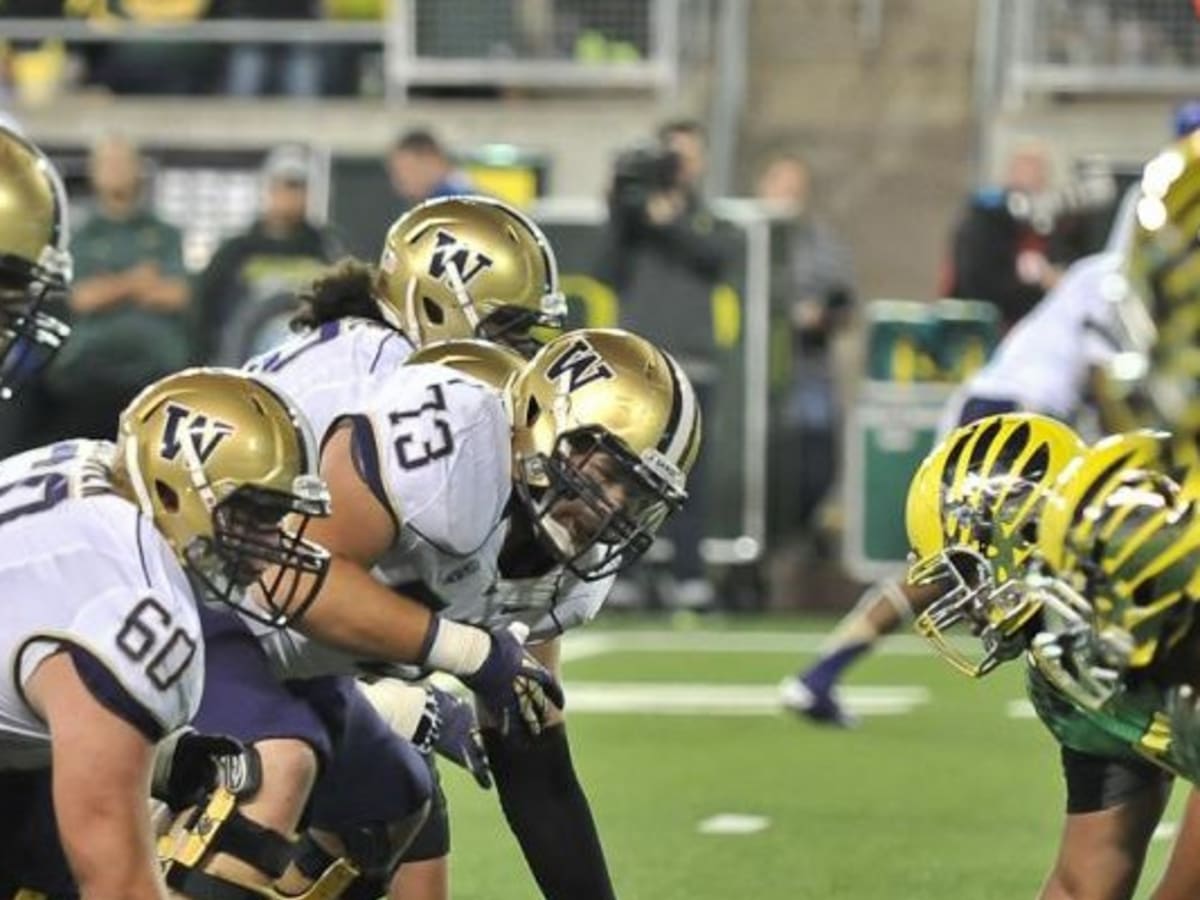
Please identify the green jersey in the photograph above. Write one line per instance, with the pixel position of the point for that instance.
(1133, 725)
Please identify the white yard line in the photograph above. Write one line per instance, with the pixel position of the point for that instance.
(1165, 831)
(583, 644)
(1020, 709)
(727, 699)
(733, 823)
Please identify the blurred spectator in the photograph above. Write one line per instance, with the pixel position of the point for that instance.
(815, 273)
(1000, 249)
(129, 303)
(156, 67)
(251, 280)
(664, 255)
(256, 69)
(421, 169)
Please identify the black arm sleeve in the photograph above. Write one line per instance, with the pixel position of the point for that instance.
(549, 814)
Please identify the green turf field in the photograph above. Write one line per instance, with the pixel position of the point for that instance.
(948, 791)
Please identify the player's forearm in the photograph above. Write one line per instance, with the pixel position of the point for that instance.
(110, 848)
(549, 814)
(107, 885)
(357, 614)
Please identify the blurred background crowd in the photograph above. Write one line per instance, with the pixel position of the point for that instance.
(830, 212)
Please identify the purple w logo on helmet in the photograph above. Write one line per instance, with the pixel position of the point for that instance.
(205, 434)
(451, 251)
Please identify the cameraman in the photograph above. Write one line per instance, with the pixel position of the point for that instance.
(663, 255)
(1001, 252)
(655, 209)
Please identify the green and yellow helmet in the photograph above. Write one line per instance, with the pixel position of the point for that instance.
(470, 267)
(217, 460)
(971, 515)
(1107, 585)
(1127, 541)
(1157, 319)
(493, 364)
(599, 407)
(35, 266)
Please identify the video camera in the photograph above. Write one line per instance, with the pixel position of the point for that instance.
(639, 173)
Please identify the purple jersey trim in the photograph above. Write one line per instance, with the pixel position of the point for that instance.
(112, 695)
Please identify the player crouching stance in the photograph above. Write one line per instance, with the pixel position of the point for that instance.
(1110, 534)
(105, 552)
(1117, 582)
(605, 430)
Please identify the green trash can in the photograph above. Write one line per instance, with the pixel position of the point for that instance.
(888, 432)
(967, 332)
(899, 336)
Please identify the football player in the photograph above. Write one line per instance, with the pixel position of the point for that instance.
(1116, 752)
(1119, 547)
(105, 551)
(35, 267)
(458, 266)
(590, 444)
(540, 793)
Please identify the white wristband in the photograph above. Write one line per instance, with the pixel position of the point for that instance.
(458, 649)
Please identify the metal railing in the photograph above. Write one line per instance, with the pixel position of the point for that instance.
(1096, 46)
(540, 44)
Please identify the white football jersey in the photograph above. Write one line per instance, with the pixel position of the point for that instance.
(434, 447)
(81, 566)
(335, 369)
(548, 605)
(431, 459)
(1042, 364)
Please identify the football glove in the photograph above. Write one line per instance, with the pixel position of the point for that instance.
(454, 733)
(188, 766)
(514, 686)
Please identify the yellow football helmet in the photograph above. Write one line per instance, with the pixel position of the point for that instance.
(1126, 540)
(470, 267)
(35, 266)
(1157, 318)
(971, 514)
(606, 428)
(217, 460)
(493, 364)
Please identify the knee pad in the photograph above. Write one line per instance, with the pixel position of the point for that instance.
(371, 851)
(216, 826)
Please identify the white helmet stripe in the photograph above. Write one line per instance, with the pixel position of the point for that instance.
(685, 423)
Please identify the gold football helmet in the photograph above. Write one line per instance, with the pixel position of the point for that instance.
(493, 364)
(971, 514)
(470, 267)
(35, 266)
(218, 460)
(606, 428)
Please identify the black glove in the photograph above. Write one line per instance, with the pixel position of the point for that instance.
(188, 766)
(513, 685)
